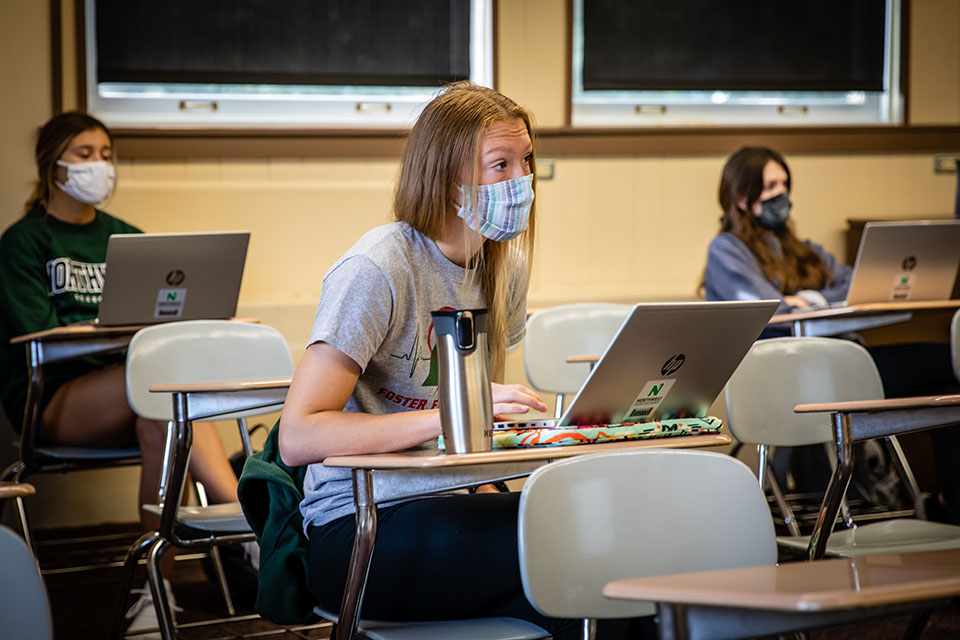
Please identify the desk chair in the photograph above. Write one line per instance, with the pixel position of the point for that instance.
(589, 520)
(955, 343)
(185, 352)
(571, 329)
(24, 607)
(780, 373)
(36, 458)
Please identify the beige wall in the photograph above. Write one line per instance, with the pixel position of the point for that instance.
(622, 229)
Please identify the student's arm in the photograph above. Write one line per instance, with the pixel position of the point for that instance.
(733, 273)
(314, 425)
(24, 288)
(836, 289)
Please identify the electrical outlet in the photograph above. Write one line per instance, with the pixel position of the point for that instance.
(946, 162)
(545, 169)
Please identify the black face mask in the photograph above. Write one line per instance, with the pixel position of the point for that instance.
(774, 212)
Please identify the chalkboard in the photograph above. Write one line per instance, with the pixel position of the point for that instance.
(313, 42)
(741, 45)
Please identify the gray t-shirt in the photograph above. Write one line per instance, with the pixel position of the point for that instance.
(375, 307)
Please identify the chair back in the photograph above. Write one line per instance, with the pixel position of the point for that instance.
(24, 607)
(780, 373)
(588, 520)
(955, 344)
(572, 329)
(200, 351)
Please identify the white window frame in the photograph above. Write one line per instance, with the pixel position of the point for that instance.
(185, 106)
(739, 108)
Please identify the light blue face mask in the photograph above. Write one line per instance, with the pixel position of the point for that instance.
(503, 208)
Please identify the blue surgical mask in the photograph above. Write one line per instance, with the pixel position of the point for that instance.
(503, 208)
(774, 212)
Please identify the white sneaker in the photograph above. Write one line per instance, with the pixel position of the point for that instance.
(251, 553)
(143, 614)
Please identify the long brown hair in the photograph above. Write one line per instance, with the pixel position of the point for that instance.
(445, 141)
(799, 267)
(55, 136)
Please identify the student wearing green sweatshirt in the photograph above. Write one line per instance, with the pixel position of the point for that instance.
(52, 264)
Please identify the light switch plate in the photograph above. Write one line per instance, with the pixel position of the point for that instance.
(946, 162)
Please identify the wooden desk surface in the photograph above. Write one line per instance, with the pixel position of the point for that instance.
(858, 406)
(82, 331)
(863, 309)
(823, 585)
(433, 459)
(221, 387)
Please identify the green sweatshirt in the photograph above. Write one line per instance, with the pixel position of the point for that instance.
(51, 274)
(270, 493)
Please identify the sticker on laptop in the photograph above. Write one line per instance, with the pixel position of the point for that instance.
(169, 303)
(650, 398)
(903, 286)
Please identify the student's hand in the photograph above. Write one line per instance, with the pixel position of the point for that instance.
(514, 398)
(796, 301)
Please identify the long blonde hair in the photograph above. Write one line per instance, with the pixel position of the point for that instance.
(445, 141)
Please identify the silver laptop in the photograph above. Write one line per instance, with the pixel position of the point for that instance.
(667, 360)
(159, 277)
(906, 261)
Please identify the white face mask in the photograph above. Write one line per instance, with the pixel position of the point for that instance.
(89, 182)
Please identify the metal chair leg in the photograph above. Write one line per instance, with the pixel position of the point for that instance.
(137, 549)
(214, 554)
(158, 592)
(222, 580)
(903, 469)
(918, 622)
(24, 526)
(789, 518)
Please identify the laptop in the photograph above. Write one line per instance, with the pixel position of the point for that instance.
(906, 261)
(159, 277)
(667, 360)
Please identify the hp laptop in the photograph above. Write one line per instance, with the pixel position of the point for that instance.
(159, 277)
(667, 360)
(906, 261)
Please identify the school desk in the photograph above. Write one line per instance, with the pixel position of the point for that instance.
(779, 599)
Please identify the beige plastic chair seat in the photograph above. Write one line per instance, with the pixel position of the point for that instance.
(903, 535)
(183, 353)
(589, 520)
(780, 373)
(24, 607)
(467, 629)
(565, 330)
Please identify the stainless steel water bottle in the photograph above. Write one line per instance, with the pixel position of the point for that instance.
(466, 403)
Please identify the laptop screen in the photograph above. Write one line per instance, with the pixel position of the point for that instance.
(159, 277)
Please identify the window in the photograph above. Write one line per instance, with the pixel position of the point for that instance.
(286, 63)
(683, 62)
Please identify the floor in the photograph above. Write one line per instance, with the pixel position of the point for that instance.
(84, 602)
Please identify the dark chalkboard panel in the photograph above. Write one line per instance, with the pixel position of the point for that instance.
(737, 45)
(326, 42)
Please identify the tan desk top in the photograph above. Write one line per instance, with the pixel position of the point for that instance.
(431, 459)
(859, 406)
(84, 331)
(823, 585)
(221, 387)
(861, 309)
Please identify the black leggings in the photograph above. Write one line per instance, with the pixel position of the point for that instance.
(444, 557)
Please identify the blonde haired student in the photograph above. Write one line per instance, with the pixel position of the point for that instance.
(462, 238)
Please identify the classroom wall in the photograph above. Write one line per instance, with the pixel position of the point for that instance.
(618, 228)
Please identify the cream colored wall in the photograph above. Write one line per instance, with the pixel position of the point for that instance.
(622, 229)
(935, 62)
